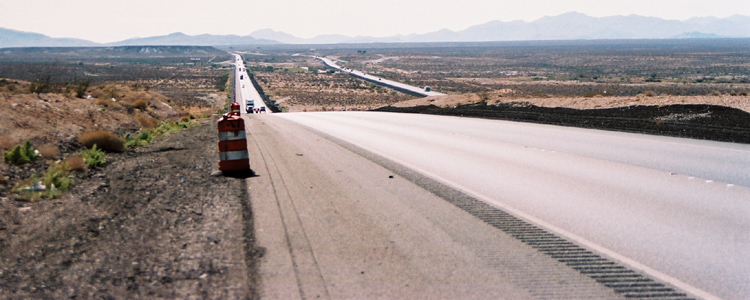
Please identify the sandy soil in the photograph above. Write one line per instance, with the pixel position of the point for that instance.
(739, 102)
(56, 118)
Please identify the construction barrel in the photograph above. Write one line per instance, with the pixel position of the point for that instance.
(233, 155)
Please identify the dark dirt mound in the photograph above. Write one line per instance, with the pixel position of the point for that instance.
(708, 122)
(153, 224)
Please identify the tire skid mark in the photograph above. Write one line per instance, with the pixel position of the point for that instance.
(281, 185)
(621, 279)
(263, 152)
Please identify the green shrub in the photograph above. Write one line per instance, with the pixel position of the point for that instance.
(141, 139)
(57, 177)
(26, 189)
(34, 188)
(147, 136)
(41, 85)
(21, 154)
(168, 126)
(81, 87)
(94, 157)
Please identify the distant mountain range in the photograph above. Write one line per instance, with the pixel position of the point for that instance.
(568, 26)
(181, 39)
(13, 38)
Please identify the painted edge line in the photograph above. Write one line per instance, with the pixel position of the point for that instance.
(383, 159)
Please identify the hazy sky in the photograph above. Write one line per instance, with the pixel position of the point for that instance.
(115, 20)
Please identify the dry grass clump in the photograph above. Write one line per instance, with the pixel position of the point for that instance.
(6, 142)
(49, 151)
(75, 163)
(146, 121)
(140, 104)
(105, 140)
(650, 94)
(128, 107)
(102, 102)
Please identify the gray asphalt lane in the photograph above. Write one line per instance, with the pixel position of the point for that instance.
(678, 207)
(336, 225)
(246, 89)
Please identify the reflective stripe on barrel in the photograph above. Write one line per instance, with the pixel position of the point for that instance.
(233, 155)
(232, 135)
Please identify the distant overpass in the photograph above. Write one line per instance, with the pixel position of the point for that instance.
(401, 87)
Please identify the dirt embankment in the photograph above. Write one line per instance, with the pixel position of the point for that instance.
(719, 118)
(596, 102)
(153, 224)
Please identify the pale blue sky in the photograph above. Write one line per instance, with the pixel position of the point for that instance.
(115, 20)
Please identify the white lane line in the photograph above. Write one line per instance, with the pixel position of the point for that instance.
(569, 235)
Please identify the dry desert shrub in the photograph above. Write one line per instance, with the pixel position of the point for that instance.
(102, 102)
(49, 151)
(140, 104)
(128, 107)
(146, 121)
(105, 140)
(6, 142)
(75, 163)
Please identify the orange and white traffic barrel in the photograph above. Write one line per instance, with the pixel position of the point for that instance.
(234, 108)
(232, 143)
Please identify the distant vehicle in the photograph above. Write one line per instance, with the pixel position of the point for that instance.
(262, 109)
(250, 103)
(242, 76)
(248, 109)
(427, 89)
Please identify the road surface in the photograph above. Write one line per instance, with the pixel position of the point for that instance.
(402, 87)
(336, 225)
(245, 90)
(676, 209)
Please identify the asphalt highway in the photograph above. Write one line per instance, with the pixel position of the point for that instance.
(676, 209)
(336, 225)
(419, 91)
(245, 90)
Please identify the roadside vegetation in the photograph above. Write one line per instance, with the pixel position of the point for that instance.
(94, 98)
(58, 177)
(21, 154)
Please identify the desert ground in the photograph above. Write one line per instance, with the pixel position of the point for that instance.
(153, 222)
